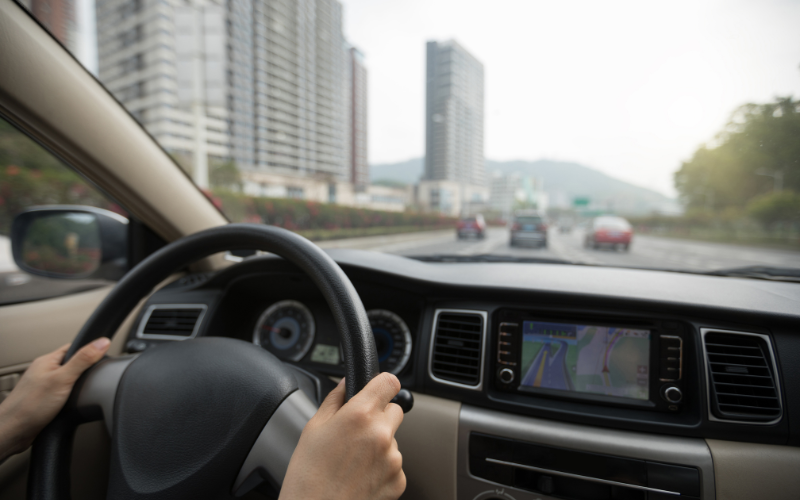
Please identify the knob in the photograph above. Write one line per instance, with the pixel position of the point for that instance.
(673, 395)
(404, 399)
(506, 375)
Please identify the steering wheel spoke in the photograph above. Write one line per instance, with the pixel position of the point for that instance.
(269, 458)
(96, 391)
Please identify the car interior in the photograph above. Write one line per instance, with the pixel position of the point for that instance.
(713, 410)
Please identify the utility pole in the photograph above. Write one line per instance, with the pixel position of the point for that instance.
(777, 177)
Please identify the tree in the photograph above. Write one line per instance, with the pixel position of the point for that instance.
(760, 142)
(776, 208)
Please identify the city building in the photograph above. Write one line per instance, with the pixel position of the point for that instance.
(454, 125)
(59, 17)
(264, 83)
(357, 127)
(509, 192)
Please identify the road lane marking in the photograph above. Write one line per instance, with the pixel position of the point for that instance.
(538, 381)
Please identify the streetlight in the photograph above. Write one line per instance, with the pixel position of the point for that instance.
(777, 177)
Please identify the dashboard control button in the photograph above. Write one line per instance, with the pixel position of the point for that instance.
(506, 375)
(673, 395)
(136, 346)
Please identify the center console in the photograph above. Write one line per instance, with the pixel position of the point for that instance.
(620, 362)
(512, 457)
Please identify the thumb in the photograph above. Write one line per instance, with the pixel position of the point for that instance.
(332, 403)
(87, 356)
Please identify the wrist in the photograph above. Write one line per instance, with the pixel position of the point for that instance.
(12, 434)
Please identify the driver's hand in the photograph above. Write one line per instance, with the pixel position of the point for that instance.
(348, 451)
(41, 393)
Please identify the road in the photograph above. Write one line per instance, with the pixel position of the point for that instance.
(645, 251)
(548, 370)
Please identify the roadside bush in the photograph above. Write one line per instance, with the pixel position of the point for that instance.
(781, 208)
(302, 215)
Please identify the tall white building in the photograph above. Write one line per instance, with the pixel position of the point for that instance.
(454, 115)
(262, 82)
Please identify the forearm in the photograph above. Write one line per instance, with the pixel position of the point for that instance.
(11, 439)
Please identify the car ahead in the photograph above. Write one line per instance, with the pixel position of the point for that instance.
(528, 228)
(474, 225)
(614, 232)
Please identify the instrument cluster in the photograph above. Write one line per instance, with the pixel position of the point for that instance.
(288, 330)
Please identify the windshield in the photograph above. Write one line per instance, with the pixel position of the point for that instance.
(386, 125)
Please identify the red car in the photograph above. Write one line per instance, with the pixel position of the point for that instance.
(609, 231)
(471, 226)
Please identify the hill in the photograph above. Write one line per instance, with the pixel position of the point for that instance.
(563, 181)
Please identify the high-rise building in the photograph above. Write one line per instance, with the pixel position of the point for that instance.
(59, 17)
(359, 167)
(261, 82)
(454, 115)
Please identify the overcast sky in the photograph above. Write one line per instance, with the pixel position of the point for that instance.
(630, 88)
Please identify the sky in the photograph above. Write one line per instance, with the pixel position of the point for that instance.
(630, 88)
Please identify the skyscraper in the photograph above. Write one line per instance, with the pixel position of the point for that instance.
(262, 82)
(454, 115)
(58, 16)
(359, 168)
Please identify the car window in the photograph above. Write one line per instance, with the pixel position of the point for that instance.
(31, 176)
(529, 220)
(347, 119)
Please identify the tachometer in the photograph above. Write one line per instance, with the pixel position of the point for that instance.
(286, 329)
(392, 338)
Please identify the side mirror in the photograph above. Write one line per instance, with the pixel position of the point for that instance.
(70, 242)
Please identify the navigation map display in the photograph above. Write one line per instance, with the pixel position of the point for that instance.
(583, 358)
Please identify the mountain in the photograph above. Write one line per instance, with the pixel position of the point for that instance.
(563, 182)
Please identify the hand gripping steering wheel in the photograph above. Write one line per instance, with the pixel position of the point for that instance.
(203, 418)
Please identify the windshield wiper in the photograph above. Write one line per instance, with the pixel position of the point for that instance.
(487, 258)
(760, 272)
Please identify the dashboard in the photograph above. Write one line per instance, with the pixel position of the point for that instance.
(676, 356)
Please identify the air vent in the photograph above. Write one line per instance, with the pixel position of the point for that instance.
(743, 382)
(173, 321)
(457, 347)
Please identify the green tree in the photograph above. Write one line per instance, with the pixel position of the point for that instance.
(776, 208)
(761, 141)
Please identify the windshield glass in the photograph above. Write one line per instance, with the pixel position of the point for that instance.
(381, 125)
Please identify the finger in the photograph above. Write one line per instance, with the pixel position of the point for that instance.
(379, 391)
(332, 402)
(87, 356)
(395, 415)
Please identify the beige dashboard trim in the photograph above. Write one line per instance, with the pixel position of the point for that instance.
(747, 471)
(55, 100)
(428, 440)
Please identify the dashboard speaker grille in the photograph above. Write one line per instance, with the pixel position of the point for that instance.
(457, 348)
(743, 384)
(173, 321)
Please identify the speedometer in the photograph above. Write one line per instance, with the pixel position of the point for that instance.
(286, 329)
(392, 338)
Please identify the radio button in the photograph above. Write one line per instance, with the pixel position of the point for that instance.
(506, 375)
(673, 395)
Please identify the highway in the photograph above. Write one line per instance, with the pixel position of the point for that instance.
(645, 251)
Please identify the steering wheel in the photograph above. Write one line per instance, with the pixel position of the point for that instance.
(204, 418)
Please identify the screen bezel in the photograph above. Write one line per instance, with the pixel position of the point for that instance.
(654, 385)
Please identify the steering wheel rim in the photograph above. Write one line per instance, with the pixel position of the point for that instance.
(49, 472)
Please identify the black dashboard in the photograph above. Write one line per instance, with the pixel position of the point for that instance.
(717, 357)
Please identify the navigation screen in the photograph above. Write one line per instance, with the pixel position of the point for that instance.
(584, 358)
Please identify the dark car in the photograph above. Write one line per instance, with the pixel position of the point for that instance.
(528, 228)
(609, 231)
(471, 226)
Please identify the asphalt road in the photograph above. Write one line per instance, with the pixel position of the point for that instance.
(645, 251)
